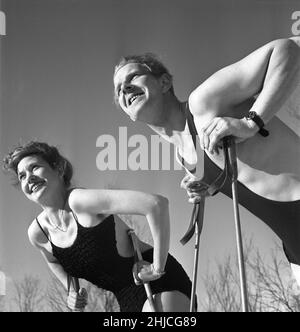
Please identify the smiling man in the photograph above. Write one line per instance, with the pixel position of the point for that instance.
(241, 100)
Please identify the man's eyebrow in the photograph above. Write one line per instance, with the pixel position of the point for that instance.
(127, 77)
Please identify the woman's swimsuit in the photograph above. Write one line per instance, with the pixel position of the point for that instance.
(94, 257)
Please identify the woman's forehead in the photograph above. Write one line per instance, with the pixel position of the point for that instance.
(27, 161)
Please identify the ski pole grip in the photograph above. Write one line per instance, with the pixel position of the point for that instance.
(76, 286)
(229, 143)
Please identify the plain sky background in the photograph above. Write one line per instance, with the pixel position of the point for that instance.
(57, 62)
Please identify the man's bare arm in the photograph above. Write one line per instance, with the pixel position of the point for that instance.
(270, 71)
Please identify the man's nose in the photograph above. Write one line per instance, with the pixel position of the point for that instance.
(127, 87)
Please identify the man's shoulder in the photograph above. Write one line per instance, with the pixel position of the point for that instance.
(201, 101)
(197, 101)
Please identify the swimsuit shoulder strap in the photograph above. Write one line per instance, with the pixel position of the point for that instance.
(192, 128)
(218, 183)
(48, 238)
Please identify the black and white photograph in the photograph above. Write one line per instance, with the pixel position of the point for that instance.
(150, 158)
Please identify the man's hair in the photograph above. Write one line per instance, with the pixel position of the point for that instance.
(150, 60)
(48, 153)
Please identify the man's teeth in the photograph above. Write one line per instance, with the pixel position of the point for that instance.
(132, 99)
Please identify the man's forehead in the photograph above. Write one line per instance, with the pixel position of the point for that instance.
(129, 68)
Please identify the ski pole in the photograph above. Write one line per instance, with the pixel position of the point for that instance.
(138, 257)
(239, 243)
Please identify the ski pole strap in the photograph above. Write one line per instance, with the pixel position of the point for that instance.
(197, 218)
(137, 253)
(210, 190)
(137, 257)
(219, 182)
(74, 282)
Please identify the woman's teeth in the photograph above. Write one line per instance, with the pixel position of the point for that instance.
(36, 187)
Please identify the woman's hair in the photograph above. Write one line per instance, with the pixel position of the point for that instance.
(48, 153)
(150, 60)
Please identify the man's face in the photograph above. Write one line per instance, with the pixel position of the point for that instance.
(138, 92)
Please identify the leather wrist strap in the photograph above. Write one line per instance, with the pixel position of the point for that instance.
(260, 123)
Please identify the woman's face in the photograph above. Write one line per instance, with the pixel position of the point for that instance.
(138, 93)
(38, 179)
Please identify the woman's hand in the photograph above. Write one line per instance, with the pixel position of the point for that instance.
(195, 188)
(77, 300)
(146, 272)
(210, 136)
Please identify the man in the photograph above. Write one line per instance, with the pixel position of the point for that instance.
(241, 100)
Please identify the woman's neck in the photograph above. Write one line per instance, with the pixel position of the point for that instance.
(56, 203)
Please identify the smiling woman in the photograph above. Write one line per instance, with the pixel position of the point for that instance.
(79, 233)
(46, 154)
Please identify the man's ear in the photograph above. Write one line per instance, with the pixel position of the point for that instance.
(166, 82)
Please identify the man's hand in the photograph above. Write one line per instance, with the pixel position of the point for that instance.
(195, 188)
(77, 301)
(211, 135)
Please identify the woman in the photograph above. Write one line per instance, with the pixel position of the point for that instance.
(79, 233)
(240, 100)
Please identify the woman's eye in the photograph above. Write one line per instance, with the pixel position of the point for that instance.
(21, 177)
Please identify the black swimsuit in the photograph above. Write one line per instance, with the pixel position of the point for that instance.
(282, 217)
(94, 257)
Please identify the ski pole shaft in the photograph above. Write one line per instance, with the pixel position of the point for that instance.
(138, 254)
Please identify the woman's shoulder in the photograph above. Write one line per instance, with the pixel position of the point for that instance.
(81, 199)
(75, 198)
(35, 233)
